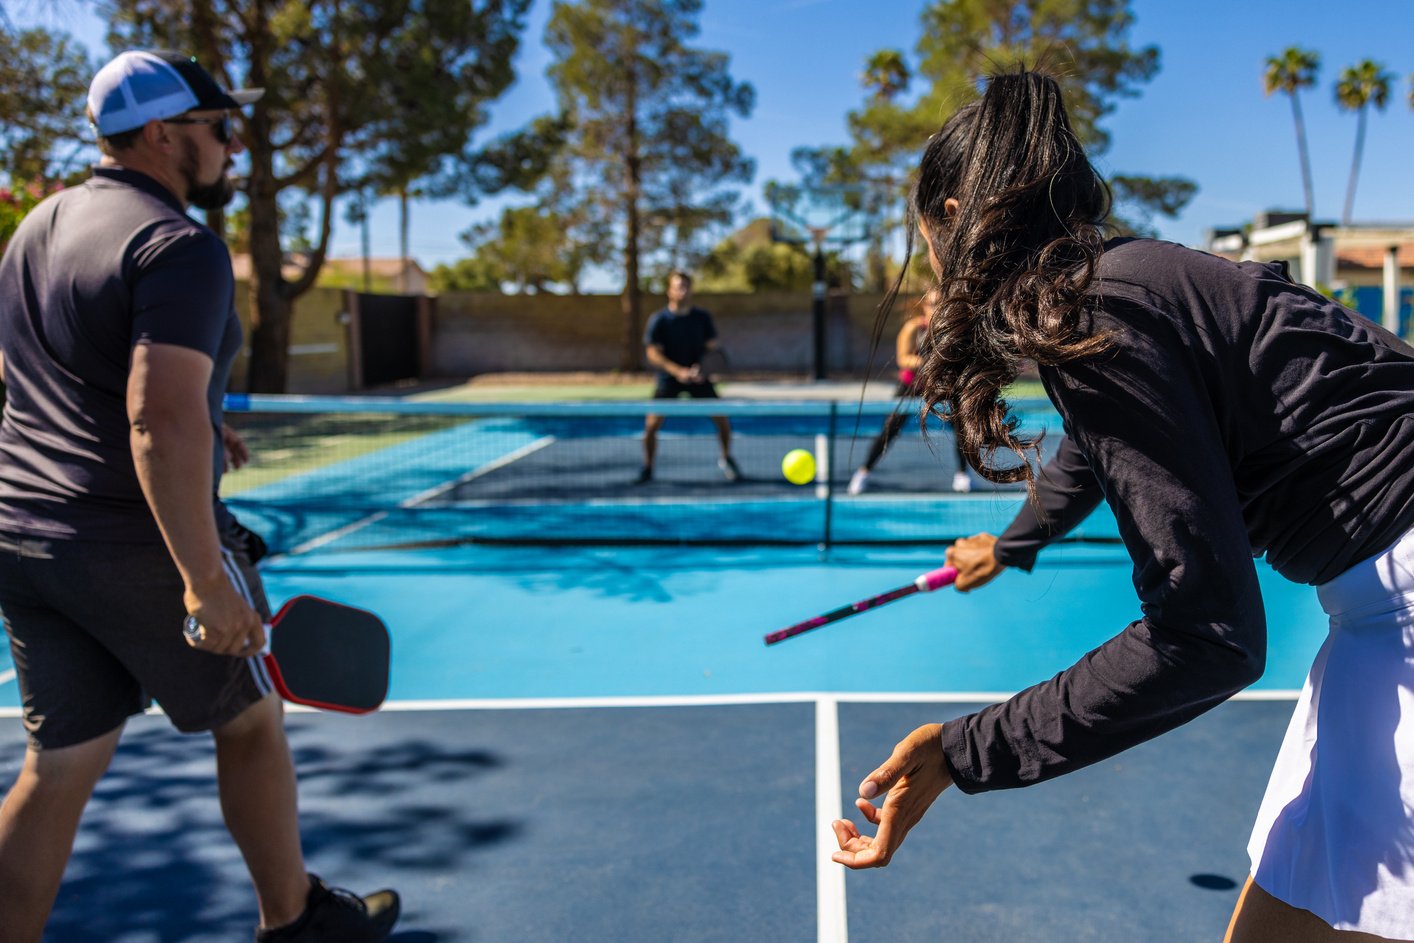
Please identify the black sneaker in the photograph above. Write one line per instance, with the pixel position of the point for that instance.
(334, 915)
(645, 475)
(729, 469)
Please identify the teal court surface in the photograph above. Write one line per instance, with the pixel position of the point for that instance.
(588, 741)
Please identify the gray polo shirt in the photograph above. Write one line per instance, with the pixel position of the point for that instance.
(90, 273)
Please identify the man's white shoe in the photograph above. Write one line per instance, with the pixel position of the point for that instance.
(961, 482)
(859, 482)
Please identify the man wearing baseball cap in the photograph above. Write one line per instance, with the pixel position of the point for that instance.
(117, 333)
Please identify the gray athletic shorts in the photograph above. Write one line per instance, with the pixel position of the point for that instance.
(96, 634)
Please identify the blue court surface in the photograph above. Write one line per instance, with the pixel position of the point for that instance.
(593, 744)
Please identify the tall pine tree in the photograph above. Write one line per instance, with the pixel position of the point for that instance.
(1083, 42)
(648, 139)
(356, 91)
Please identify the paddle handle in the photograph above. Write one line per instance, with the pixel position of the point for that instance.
(936, 579)
(191, 628)
(926, 583)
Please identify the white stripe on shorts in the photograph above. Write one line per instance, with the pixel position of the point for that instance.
(255, 663)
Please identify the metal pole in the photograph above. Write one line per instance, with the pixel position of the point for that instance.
(1390, 314)
(363, 222)
(828, 537)
(817, 310)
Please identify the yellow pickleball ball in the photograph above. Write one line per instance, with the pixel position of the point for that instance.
(799, 467)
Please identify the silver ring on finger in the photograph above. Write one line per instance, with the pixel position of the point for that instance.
(193, 630)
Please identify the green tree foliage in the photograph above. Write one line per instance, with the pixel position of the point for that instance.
(778, 267)
(886, 74)
(358, 93)
(565, 230)
(524, 159)
(529, 249)
(16, 201)
(850, 209)
(1083, 42)
(1289, 72)
(751, 260)
(647, 145)
(469, 274)
(1138, 199)
(1360, 87)
(521, 160)
(44, 78)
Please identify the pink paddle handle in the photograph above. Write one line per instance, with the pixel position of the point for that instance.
(936, 579)
(933, 579)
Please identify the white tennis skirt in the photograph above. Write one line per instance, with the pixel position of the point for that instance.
(1335, 833)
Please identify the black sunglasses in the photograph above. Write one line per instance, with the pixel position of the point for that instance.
(222, 127)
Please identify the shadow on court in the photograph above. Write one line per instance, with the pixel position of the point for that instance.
(495, 826)
(652, 824)
(154, 862)
(502, 819)
(1150, 845)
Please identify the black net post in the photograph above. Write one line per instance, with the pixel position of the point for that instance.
(817, 310)
(829, 475)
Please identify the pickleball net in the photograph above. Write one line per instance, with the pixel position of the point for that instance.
(352, 473)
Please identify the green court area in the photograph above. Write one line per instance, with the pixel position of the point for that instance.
(547, 388)
(286, 445)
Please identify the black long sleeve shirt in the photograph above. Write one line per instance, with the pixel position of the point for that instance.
(1066, 492)
(1236, 414)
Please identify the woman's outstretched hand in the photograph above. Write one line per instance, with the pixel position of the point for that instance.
(975, 561)
(914, 776)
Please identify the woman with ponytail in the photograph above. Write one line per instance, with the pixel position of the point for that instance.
(1223, 412)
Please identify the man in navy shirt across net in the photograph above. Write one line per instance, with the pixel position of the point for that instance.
(676, 340)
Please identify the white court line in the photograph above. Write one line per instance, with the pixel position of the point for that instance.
(475, 473)
(831, 913)
(620, 502)
(7, 676)
(417, 499)
(714, 700)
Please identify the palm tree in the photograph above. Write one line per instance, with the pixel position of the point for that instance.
(1289, 72)
(1364, 84)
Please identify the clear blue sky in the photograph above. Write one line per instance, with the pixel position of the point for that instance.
(1204, 116)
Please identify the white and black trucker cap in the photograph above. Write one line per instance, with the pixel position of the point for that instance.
(145, 85)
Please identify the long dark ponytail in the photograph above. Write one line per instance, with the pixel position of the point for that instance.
(1015, 258)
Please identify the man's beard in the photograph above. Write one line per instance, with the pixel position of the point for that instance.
(204, 196)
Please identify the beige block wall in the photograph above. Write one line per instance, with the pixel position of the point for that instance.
(319, 361)
(767, 332)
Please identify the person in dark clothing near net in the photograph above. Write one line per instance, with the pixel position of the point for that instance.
(117, 334)
(676, 341)
(908, 350)
(1222, 412)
